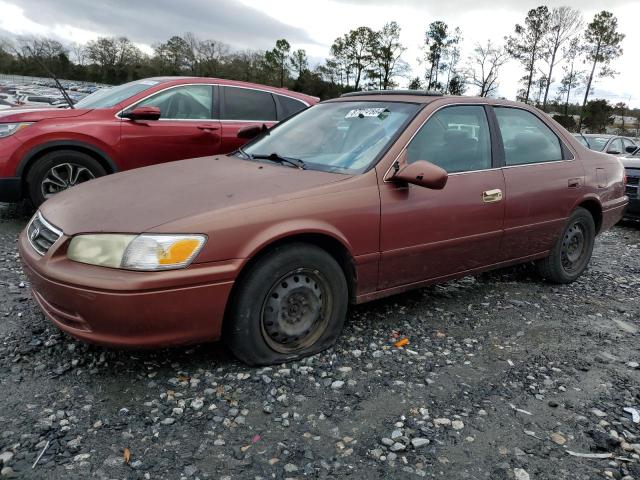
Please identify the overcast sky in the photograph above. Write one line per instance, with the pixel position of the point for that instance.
(314, 25)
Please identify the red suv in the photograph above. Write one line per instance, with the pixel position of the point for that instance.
(155, 120)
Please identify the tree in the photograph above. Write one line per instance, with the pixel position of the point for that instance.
(563, 26)
(486, 62)
(596, 115)
(527, 45)
(387, 51)
(341, 59)
(415, 84)
(566, 121)
(115, 58)
(211, 54)
(572, 78)
(278, 60)
(354, 50)
(620, 109)
(299, 62)
(602, 47)
(436, 42)
(456, 85)
(176, 55)
(451, 59)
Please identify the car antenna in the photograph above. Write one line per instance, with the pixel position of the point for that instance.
(53, 77)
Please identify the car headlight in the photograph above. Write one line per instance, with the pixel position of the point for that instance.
(7, 129)
(136, 252)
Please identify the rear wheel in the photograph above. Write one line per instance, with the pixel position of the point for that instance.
(572, 251)
(59, 170)
(291, 304)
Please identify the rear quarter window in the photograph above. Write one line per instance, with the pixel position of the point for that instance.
(288, 106)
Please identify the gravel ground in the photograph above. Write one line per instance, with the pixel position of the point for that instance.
(504, 377)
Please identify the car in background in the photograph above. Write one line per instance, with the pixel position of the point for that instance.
(612, 144)
(631, 164)
(46, 150)
(353, 199)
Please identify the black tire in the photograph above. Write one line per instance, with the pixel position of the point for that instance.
(38, 191)
(571, 254)
(259, 330)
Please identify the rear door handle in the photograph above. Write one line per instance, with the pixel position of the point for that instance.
(491, 196)
(208, 128)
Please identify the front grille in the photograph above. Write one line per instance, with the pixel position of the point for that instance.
(633, 180)
(42, 235)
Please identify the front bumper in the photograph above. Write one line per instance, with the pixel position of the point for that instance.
(10, 189)
(127, 309)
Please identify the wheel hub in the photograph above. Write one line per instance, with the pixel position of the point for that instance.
(63, 176)
(295, 310)
(573, 246)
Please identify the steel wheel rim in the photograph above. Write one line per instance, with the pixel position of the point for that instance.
(574, 247)
(296, 311)
(63, 176)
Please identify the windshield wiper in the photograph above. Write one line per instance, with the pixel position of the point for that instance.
(248, 155)
(274, 157)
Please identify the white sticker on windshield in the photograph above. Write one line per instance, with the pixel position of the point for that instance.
(148, 82)
(366, 112)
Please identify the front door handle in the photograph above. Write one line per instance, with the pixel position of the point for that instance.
(208, 128)
(490, 196)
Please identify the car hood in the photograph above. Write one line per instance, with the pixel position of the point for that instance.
(139, 200)
(27, 114)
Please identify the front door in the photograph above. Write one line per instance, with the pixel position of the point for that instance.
(186, 129)
(427, 234)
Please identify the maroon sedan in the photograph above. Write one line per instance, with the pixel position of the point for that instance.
(353, 199)
(46, 150)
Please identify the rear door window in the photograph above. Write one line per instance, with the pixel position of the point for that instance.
(526, 138)
(247, 104)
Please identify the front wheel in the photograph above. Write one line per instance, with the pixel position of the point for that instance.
(292, 303)
(572, 251)
(59, 170)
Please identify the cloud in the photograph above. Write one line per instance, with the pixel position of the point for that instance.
(467, 5)
(150, 22)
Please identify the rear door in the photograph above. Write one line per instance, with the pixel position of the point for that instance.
(543, 182)
(187, 127)
(241, 107)
(427, 234)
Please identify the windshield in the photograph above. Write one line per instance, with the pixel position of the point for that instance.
(597, 143)
(108, 97)
(341, 136)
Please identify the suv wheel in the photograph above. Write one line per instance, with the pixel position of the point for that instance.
(291, 304)
(56, 171)
(572, 251)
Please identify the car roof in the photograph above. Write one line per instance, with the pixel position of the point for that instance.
(234, 83)
(424, 97)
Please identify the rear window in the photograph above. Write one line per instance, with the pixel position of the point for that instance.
(248, 104)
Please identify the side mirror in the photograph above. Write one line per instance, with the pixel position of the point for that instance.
(251, 131)
(631, 148)
(423, 174)
(142, 113)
